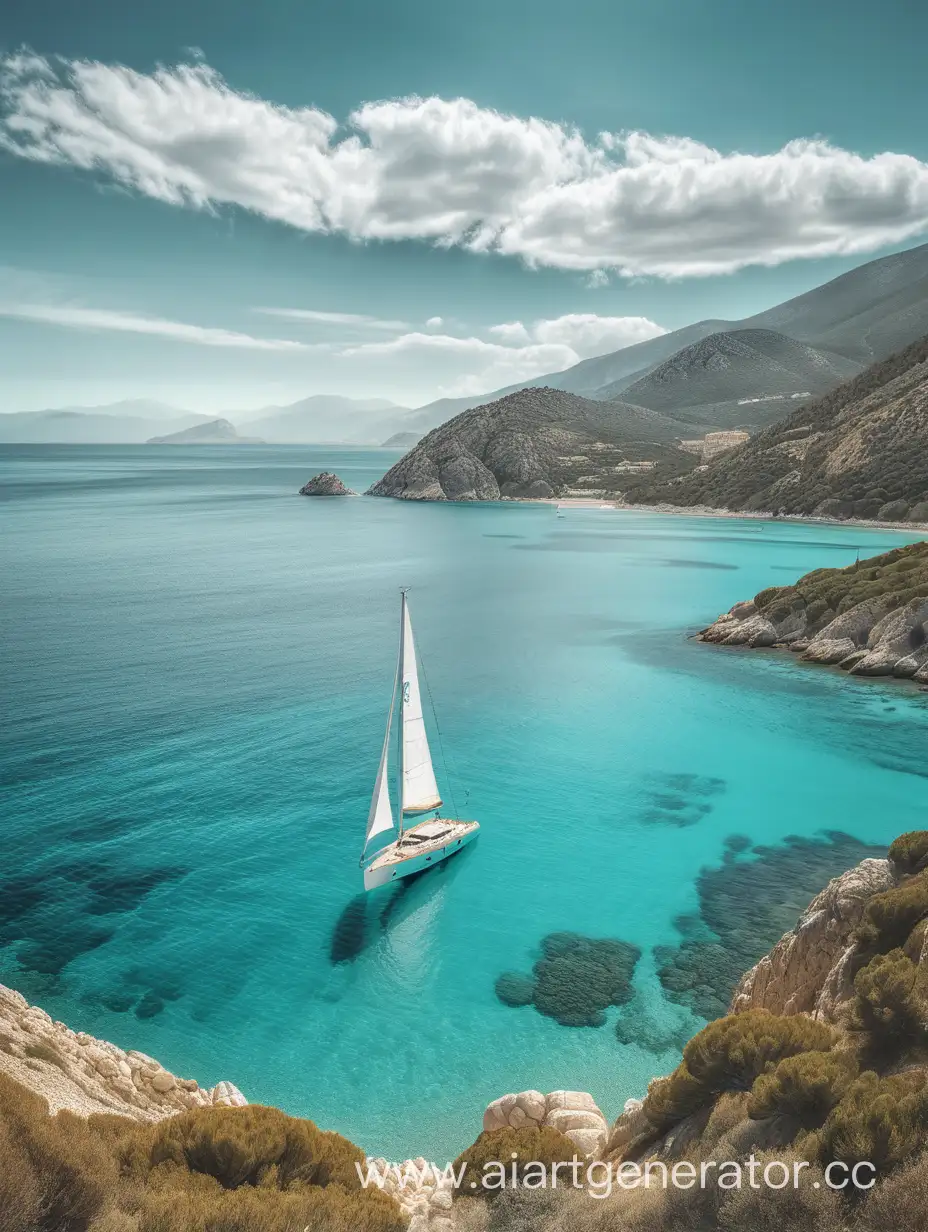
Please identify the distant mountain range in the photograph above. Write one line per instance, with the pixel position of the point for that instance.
(118, 423)
(861, 316)
(713, 374)
(860, 451)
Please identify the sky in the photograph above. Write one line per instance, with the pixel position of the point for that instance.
(224, 206)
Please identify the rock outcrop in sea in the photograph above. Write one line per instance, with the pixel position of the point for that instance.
(325, 484)
(870, 619)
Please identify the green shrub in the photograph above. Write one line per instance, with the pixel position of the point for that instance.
(268, 1210)
(804, 1087)
(909, 852)
(671, 1099)
(889, 1006)
(889, 918)
(731, 1053)
(880, 1120)
(512, 1148)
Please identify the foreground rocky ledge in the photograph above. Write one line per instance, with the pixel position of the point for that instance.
(74, 1071)
(870, 619)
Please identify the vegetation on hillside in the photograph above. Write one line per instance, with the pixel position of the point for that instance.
(859, 451)
(896, 577)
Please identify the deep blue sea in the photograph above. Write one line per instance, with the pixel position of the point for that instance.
(196, 669)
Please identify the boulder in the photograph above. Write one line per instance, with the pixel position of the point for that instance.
(325, 484)
(573, 1113)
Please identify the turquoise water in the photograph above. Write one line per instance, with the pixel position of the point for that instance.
(196, 670)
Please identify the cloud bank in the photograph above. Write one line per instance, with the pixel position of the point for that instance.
(452, 173)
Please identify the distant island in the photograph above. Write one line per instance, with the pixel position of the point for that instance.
(213, 432)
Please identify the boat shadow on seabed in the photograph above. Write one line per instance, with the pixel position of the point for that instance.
(367, 917)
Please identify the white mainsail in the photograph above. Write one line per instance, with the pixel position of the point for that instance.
(420, 791)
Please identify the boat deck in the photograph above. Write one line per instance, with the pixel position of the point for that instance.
(424, 838)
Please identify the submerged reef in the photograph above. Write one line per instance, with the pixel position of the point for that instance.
(575, 979)
(680, 799)
(745, 906)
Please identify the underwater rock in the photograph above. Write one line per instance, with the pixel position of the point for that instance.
(745, 906)
(325, 484)
(515, 989)
(575, 979)
(680, 799)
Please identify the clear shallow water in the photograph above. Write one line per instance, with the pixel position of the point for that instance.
(195, 673)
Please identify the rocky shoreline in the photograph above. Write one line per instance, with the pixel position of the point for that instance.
(870, 619)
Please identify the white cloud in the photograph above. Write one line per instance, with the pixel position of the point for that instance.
(317, 317)
(453, 173)
(584, 332)
(126, 322)
(468, 365)
(434, 323)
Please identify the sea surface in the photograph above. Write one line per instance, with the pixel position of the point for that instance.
(196, 669)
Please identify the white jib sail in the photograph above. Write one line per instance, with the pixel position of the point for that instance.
(420, 791)
(380, 817)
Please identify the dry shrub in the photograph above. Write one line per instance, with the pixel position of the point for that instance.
(899, 1203)
(802, 1209)
(729, 1112)
(57, 1157)
(514, 1148)
(671, 1099)
(241, 1146)
(250, 1209)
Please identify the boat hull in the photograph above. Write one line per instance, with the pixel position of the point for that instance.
(395, 863)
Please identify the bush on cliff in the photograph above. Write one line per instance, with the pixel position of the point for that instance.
(909, 852)
(514, 1149)
(889, 918)
(729, 1055)
(890, 1008)
(804, 1087)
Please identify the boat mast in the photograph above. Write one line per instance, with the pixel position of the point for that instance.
(401, 724)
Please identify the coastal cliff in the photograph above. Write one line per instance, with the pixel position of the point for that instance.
(870, 619)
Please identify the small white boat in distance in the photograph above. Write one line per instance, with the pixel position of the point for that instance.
(424, 843)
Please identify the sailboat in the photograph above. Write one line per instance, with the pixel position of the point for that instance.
(418, 844)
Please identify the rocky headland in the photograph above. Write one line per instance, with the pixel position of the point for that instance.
(870, 619)
(535, 443)
(325, 484)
